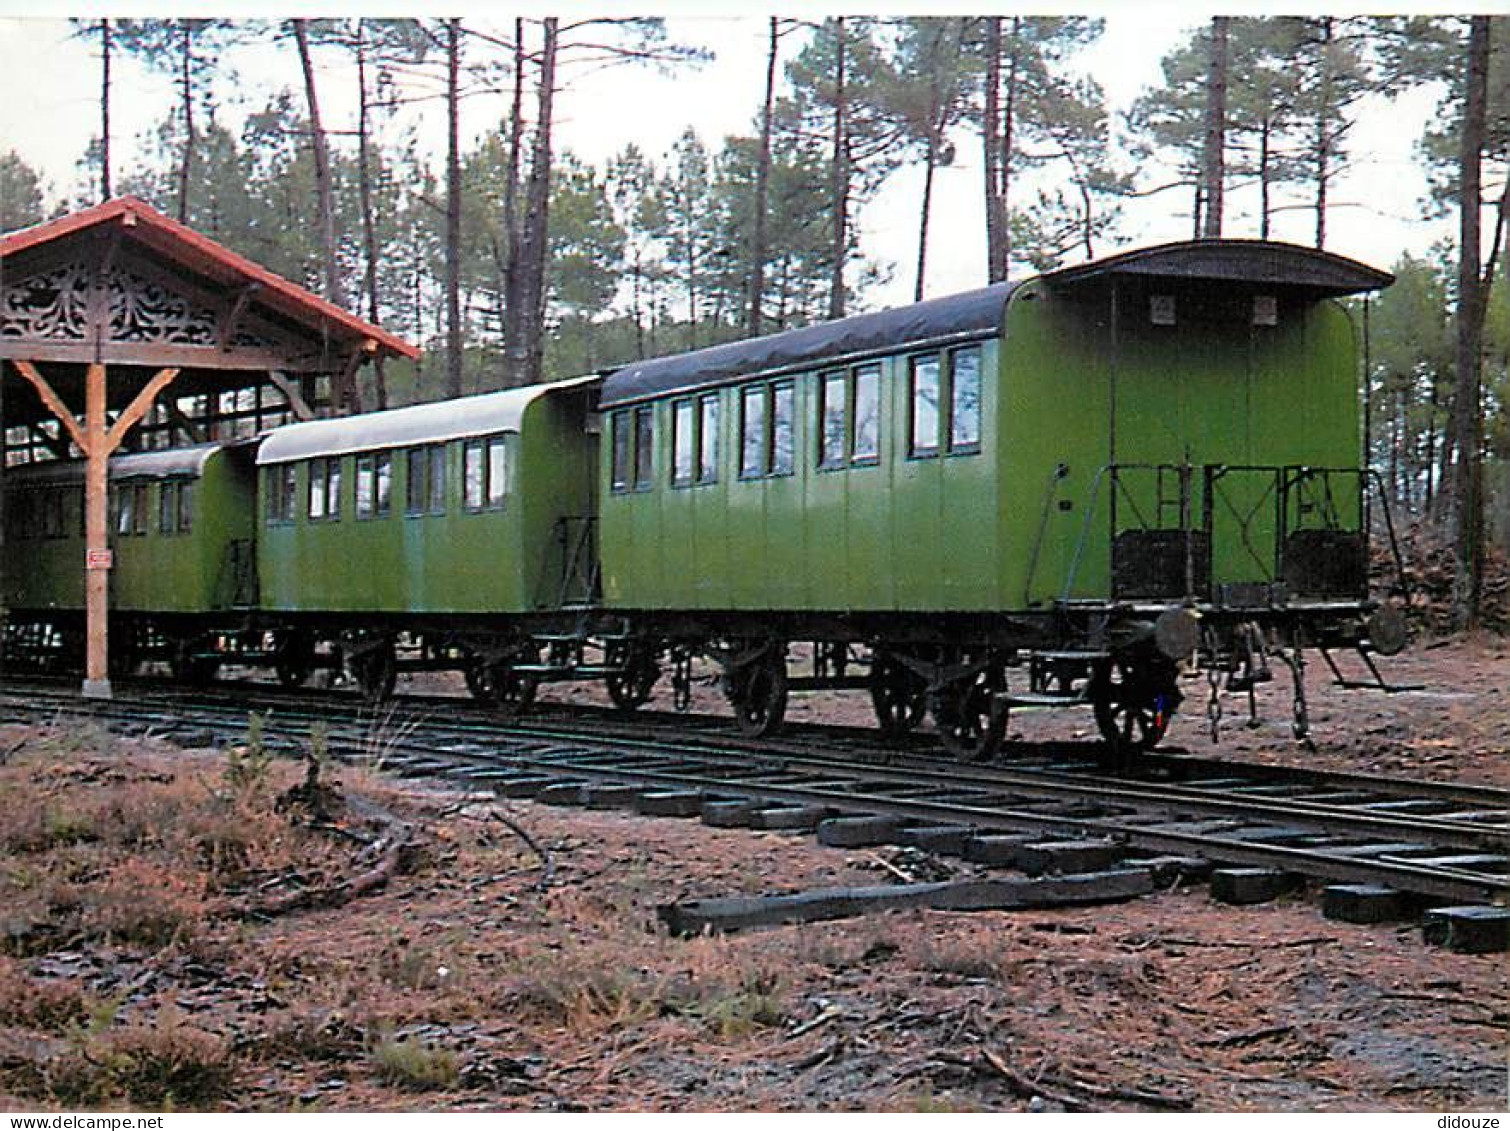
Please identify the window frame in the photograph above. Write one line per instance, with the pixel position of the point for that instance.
(282, 487)
(706, 469)
(871, 458)
(488, 500)
(974, 446)
(758, 395)
(643, 463)
(833, 378)
(915, 450)
(684, 427)
(329, 480)
(621, 441)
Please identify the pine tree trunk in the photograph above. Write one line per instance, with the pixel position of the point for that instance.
(990, 129)
(1213, 159)
(186, 88)
(349, 397)
(1008, 142)
(1264, 175)
(762, 190)
(930, 163)
(105, 189)
(839, 181)
(513, 309)
(369, 221)
(537, 213)
(1323, 136)
(1467, 423)
(453, 209)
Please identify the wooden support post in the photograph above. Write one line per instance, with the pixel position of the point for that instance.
(97, 438)
(96, 538)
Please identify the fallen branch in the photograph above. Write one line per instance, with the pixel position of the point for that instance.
(740, 912)
(547, 863)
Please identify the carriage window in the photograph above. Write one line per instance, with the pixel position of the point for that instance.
(485, 482)
(175, 507)
(783, 409)
(282, 492)
(185, 506)
(925, 406)
(964, 400)
(140, 511)
(621, 449)
(752, 432)
(437, 478)
(832, 411)
(374, 485)
(325, 488)
(167, 508)
(416, 481)
(472, 475)
(707, 439)
(644, 449)
(55, 520)
(867, 441)
(682, 444)
(125, 503)
(498, 480)
(366, 478)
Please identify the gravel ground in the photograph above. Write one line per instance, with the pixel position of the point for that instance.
(514, 960)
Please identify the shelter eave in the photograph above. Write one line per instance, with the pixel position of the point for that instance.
(202, 256)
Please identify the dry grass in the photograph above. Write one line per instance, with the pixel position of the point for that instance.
(129, 978)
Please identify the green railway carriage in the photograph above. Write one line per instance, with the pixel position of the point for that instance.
(443, 520)
(181, 537)
(1087, 475)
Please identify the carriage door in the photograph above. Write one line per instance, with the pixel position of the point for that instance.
(1243, 519)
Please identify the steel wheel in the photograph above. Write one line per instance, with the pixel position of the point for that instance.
(971, 721)
(295, 659)
(1134, 702)
(899, 695)
(631, 688)
(375, 671)
(190, 668)
(497, 683)
(758, 692)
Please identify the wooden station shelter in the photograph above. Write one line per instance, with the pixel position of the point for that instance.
(124, 330)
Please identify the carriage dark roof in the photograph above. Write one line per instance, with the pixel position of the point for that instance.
(973, 314)
(979, 313)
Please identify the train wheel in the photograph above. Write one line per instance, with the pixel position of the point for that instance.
(294, 660)
(899, 695)
(195, 670)
(496, 683)
(1134, 701)
(758, 693)
(375, 670)
(631, 688)
(971, 720)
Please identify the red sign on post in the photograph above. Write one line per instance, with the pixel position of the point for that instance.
(98, 559)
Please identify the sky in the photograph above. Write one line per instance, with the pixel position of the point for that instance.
(49, 112)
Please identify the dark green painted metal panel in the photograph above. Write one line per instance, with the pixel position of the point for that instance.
(186, 572)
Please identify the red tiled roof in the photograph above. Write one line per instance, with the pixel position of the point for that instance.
(211, 260)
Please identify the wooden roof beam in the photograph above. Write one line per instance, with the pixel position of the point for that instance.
(53, 402)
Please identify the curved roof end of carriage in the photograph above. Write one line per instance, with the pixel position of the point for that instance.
(979, 313)
(433, 423)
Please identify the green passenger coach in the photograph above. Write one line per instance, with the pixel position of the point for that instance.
(1089, 476)
(181, 538)
(442, 520)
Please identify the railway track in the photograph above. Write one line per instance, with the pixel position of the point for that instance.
(1441, 842)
